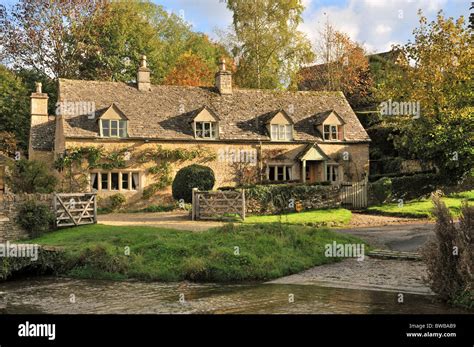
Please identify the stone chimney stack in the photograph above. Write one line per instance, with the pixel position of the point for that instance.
(224, 79)
(143, 76)
(39, 106)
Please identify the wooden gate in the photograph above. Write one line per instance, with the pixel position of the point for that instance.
(75, 209)
(354, 194)
(218, 205)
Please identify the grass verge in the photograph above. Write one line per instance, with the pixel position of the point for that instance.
(339, 216)
(422, 208)
(227, 254)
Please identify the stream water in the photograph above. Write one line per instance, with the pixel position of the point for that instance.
(71, 296)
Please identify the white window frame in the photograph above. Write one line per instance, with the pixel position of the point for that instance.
(121, 174)
(285, 167)
(116, 124)
(200, 127)
(332, 169)
(280, 132)
(330, 133)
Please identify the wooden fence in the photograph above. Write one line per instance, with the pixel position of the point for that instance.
(354, 194)
(218, 205)
(75, 209)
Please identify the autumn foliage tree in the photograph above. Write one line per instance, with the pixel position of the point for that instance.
(440, 78)
(190, 70)
(343, 66)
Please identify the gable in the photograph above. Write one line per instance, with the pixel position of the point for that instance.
(205, 115)
(280, 117)
(333, 119)
(313, 153)
(113, 112)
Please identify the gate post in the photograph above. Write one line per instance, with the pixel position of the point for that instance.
(193, 201)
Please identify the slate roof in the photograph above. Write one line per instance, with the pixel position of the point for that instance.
(166, 111)
(42, 136)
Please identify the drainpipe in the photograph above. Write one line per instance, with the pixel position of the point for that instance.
(260, 159)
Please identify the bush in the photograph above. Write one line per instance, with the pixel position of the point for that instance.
(450, 257)
(117, 201)
(381, 189)
(35, 218)
(189, 177)
(415, 186)
(31, 176)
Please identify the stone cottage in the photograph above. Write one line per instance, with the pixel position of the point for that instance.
(272, 136)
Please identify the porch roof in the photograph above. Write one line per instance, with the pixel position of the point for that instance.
(312, 152)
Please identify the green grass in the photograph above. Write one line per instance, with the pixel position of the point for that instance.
(267, 251)
(422, 208)
(337, 216)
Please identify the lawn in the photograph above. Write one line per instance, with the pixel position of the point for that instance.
(422, 208)
(339, 216)
(227, 254)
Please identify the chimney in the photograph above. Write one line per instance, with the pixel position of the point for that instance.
(224, 79)
(39, 106)
(143, 76)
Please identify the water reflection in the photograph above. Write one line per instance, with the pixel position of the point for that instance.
(53, 295)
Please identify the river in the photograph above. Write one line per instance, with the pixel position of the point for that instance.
(73, 296)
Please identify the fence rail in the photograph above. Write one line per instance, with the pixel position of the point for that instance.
(75, 209)
(217, 205)
(354, 194)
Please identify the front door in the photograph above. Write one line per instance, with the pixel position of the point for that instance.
(311, 171)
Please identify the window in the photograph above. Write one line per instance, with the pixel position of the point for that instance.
(332, 173)
(333, 132)
(114, 181)
(113, 128)
(205, 130)
(281, 132)
(279, 173)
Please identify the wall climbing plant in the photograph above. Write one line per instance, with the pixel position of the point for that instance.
(77, 161)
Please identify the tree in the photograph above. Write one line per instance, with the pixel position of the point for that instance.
(44, 35)
(266, 43)
(190, 70)
(439, 77)
(343, 67)
(14, 110)
(31, 176)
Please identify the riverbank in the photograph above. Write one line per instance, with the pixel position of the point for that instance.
(232, 253)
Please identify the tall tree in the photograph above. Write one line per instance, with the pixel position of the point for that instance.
(190, 70)
(440, 78)
(268, 45)
(343, 66)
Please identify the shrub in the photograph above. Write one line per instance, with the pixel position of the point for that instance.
(117, 201)
(415, 186)
(31, 176)
(35, 218)
(381, 189)
(189, 177)
(450, 256)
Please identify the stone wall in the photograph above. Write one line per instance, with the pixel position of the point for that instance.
(266, 199)
(9, 206)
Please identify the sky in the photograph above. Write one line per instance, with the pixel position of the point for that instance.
(377, 24)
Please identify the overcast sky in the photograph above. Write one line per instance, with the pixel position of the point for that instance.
(375, 23)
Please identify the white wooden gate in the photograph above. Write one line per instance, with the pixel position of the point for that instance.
(354, 194)
(218, 205)
(75, 209)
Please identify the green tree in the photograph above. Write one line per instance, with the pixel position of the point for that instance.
(14, 106)
(31, 176)
(267, 43)
(439, 77)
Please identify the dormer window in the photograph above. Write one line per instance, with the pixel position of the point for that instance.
(205, 130)
(205, 124)
(113, 128)
(333, 132)
(330, 125)
(280, 126)
(282, 132)
(113, 123)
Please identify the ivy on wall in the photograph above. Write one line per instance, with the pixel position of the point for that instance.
(76, 159)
